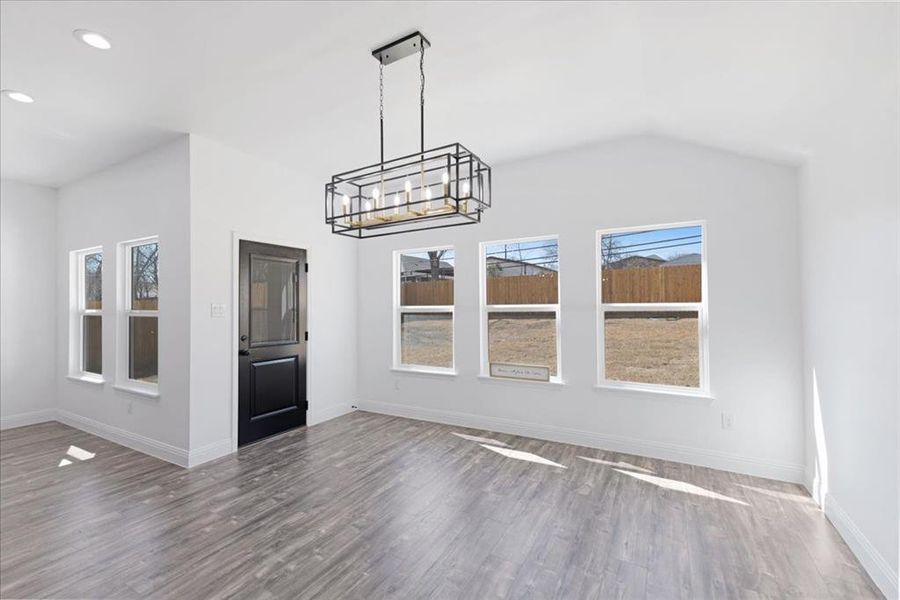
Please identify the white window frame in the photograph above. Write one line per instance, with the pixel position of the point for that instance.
(124, 310)
(77, 312)
(545, 308)
(399, 310)
(699, 307)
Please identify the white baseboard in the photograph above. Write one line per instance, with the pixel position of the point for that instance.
(663, 450)
(328, 413)
(878, 568)
(29, 418)
(157, 449)
(209, 452)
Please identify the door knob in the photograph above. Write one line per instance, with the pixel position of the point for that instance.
(244, 352)
(243, 338)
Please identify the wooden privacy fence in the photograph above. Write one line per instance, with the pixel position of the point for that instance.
(681, 283)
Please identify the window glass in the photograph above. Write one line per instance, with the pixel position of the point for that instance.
(92, 344)
(656, 265)
(426, 339)
(426, 278)
(522, 272)
(93, 281)
(143, 349)
(523, 338)
(273, 300)
(652, 347)
(145, 277)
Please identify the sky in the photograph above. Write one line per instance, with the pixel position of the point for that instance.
(664, 243)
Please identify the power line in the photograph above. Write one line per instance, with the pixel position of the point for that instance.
(690, 237)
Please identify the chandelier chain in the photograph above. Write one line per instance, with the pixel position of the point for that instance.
(381, 105)
(422, 97)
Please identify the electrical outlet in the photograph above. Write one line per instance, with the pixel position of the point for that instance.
(727, 420)
(217, 311)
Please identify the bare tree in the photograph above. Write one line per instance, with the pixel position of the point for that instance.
(609, 250)
(434, 259)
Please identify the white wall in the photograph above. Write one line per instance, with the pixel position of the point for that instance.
(751, 210)
(27, 303)
(146, 195)
(234, 192)
(851, 272)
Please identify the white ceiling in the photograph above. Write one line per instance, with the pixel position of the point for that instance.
(294, 82)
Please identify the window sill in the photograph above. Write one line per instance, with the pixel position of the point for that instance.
(423, 371)
(137, 390)
(698, 397)
(87, 379)
(504, 380)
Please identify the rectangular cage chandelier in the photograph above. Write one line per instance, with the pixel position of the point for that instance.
(445, 186)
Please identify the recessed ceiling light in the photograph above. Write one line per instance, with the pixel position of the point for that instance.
(17, 96)
(92, 38)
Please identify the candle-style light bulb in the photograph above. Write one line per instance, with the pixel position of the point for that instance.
(466, 188)
(428, 193)
(375, 193)
(396, 203)
(407, 187)
(368, 205)
(445, 179)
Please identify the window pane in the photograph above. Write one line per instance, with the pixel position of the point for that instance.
(93, 278)
(522, 339)
(145, 277)
(659, 265)
(426, 339)
(92, 344)
(426, 278)
(273, 299)
(653, 347)
(522, 272)
(143, 338)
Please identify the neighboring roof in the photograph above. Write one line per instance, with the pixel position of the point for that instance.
(685, 259)
(636, 262)
(511, 262)
(413, 264)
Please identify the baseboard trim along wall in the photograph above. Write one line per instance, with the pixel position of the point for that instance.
(209, 452)
(793, 473)
(157, 449)
(878, 568)
(326, 414)
(29, 418)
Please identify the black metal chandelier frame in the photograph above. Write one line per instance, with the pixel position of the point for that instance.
(446, 186)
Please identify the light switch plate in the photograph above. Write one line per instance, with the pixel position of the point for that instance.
(217, 311)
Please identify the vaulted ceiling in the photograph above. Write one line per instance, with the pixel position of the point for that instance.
(295, 82)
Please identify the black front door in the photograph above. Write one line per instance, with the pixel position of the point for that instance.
(272, 347)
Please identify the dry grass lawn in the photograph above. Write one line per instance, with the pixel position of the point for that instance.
(661, 350)
(653, 350)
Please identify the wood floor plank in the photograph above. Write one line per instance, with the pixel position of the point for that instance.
(371, 506)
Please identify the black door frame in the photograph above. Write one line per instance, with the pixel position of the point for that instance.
(236, 239)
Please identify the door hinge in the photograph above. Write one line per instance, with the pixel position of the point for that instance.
(306, 336)
(306, 267)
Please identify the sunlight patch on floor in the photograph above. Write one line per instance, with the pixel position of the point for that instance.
(681, 486)
(621, 464)
(798, 497)
(483, 440)
(521, 455)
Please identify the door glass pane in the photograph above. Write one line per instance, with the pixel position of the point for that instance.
(656, 265)
(92, 344)
(143, 349)
(522, 272)
(426, 278)
(653, 347)
(93, 273)
(273, 300)
(145, 277)
(426, 339)
(523, 338)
